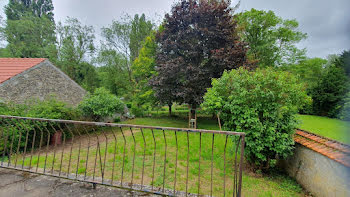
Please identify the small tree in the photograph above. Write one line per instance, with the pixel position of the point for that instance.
(198, 42)
(263, 104)
(101, 104)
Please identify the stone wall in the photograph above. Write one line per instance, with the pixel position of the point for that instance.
(40, 82)
(318, 174)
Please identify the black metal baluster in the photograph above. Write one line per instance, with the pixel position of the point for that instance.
(154, 158)
(199, 163)
(175, 163)
(211, 171)
(164, 170)
(121, 182)
(188, 158)
(144, 156)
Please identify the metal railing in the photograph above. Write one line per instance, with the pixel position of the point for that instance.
(158, 160)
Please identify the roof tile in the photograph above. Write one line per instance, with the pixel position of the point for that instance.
(10, 67)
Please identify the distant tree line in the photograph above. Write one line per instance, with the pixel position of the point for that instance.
(149, 65)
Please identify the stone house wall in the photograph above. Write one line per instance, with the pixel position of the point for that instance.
(40, 82)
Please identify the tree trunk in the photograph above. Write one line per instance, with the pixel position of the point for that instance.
(193, 117)
(218, 115)
(169, 105)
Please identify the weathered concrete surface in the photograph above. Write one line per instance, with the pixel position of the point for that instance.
(39, 82)
(318, 174)
(22, 184)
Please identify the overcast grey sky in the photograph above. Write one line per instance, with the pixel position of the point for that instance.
(327, 22)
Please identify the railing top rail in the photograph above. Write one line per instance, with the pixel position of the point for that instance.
(125, 125)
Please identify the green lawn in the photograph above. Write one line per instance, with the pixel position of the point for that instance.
(327, 127)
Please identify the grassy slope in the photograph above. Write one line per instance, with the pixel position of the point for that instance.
(327, 127)
(274, 185)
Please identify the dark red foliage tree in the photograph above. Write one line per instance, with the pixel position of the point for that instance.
(197, 43)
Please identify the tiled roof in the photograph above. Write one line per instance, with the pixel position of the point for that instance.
(10, 67)
(332, 149)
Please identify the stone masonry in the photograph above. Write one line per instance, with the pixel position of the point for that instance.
(41, 81)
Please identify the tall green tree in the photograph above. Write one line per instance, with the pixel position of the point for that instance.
(31, 36)
(140, 28)
(112, 71)
(344, 62)
(125, 37)
(75, 41)
(143, 70)
(30, 29)
(17, 8)
(271, 39)
(309, 73)
(330, 92)
(75, 46)
(309, 70)
(198, 43)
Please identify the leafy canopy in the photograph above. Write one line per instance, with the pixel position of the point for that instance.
(31, 36)
(263, 104)
(309, 70)
(143, 70)
(16, 9)
(125, 38)
(75, 45)
(271, 39)
(198, 43)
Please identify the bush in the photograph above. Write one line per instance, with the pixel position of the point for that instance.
(50, 108)
(263, 104)
(101, 104)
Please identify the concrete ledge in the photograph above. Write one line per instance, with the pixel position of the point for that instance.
(16, 183)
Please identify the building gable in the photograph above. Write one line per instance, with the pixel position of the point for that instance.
(39, 82)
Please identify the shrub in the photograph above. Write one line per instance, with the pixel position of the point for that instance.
(101, 104)
(263, 104)
(49, 108)
(138, 111)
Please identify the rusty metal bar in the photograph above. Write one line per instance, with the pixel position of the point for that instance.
(41, 142)
(102, 124)
(239, 192)
(133, 158)
(114, 155)
(175, 162)
(32, 149)
(87, 154)
(121, 182)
